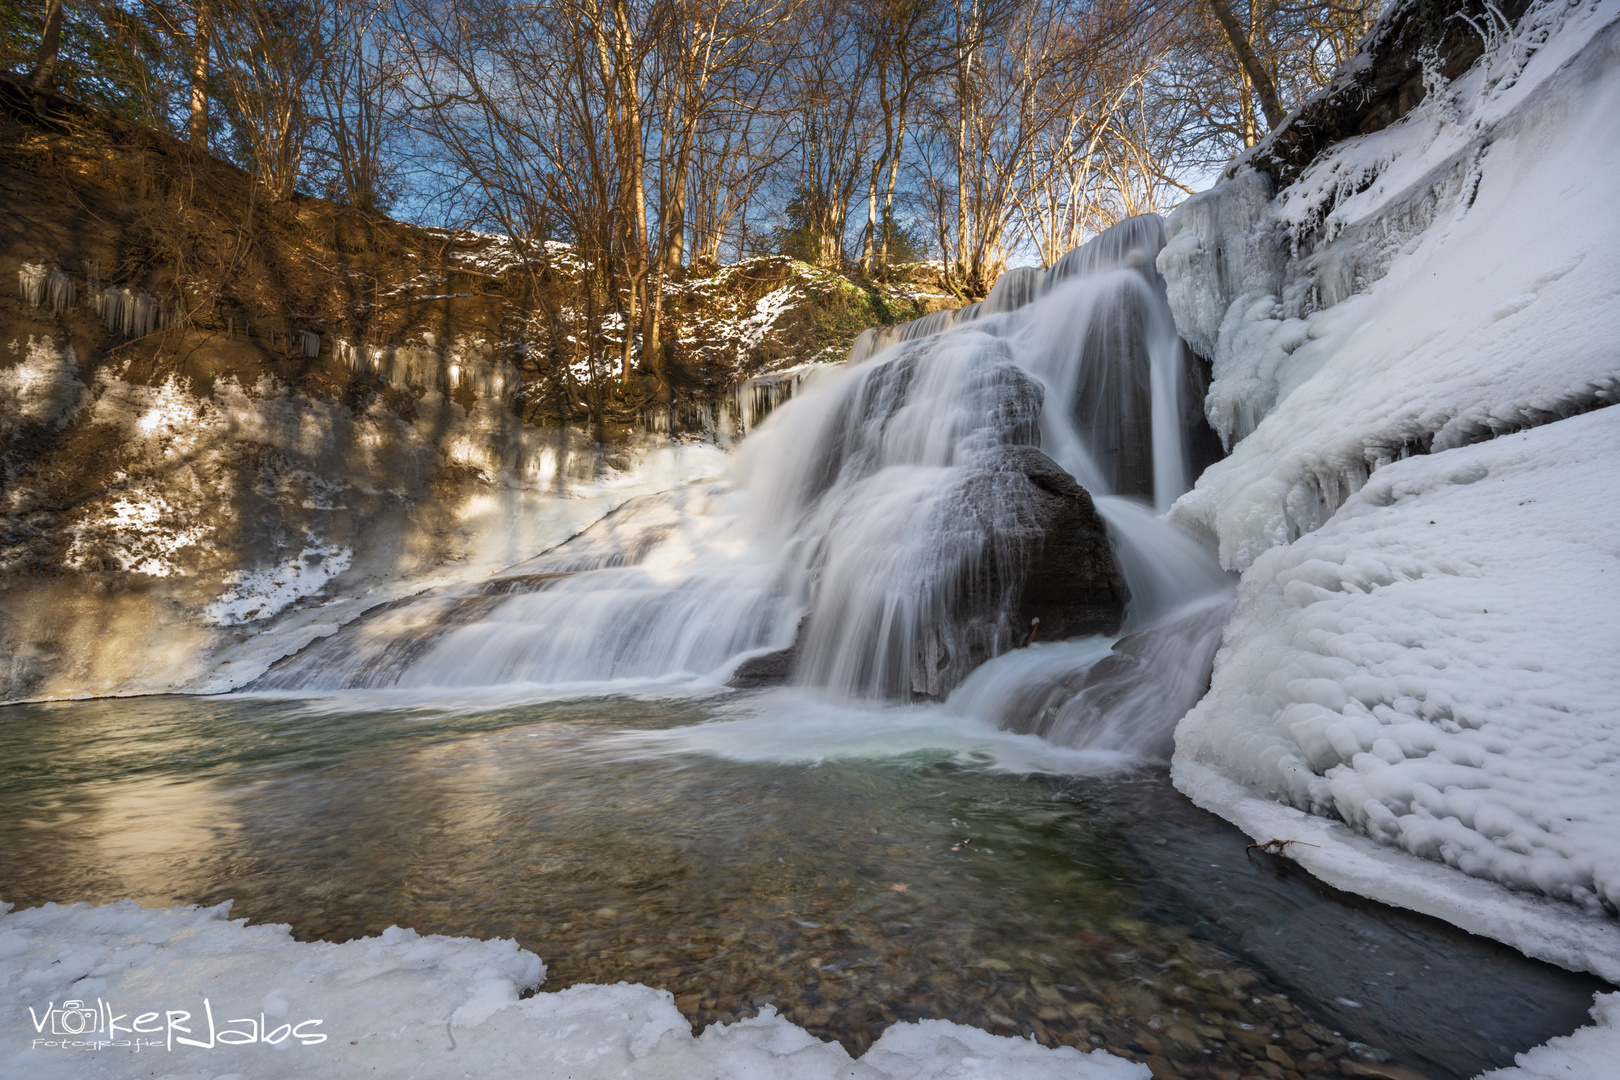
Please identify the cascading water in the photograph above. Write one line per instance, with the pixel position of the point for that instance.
(897, 524)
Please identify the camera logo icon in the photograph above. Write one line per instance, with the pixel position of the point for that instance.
(74, 1019)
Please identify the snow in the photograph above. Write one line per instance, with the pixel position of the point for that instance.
(43, 388)
(1404, 294)
(261, 594)
(1592, 1053)
(1435, 666)
(404, 1004)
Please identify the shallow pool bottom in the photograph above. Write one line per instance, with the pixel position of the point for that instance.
(696, 844)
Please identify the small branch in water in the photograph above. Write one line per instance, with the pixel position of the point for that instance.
(1034, 626)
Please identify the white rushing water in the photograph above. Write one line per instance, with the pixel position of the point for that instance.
(851, 520)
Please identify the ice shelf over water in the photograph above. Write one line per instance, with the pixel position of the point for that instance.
(402, 1004)
(1436, 666)
(1425, 649)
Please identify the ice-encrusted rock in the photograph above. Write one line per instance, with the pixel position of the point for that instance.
(1439, 281)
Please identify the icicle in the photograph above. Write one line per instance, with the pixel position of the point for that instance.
(31, 282)
(127, 312)
(62, 292)
(311, 344)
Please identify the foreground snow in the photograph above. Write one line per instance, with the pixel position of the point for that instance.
(1592, 1053)
(405, 1005)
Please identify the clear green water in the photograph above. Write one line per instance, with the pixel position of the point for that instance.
(691, 845)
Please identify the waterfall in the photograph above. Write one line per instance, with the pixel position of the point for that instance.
(887, 530)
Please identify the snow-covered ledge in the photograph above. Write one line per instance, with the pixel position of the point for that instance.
(1421, 677)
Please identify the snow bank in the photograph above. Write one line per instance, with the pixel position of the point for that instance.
(1436, 667)
(1424, 646)
(1592, 1053)
(1448, 278)
(402, 1004)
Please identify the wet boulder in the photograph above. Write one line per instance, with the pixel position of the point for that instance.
(1035, 549)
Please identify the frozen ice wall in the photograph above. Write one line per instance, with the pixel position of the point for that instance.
(1440, 281)
(1424, 649)
(216, 531)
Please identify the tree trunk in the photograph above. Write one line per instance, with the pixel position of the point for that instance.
(888, 195)
(50, 43)
(199, 80)
(1264, 87)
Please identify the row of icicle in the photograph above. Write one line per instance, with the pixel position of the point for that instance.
(127, 311)
(131, 312)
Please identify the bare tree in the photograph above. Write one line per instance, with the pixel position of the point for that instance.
(360, 94)
(202, 21)
(267, 52)
(50, 44)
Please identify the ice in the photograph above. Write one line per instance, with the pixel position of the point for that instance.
(1436, 667)
(1591, 1053)
(404, 1004)
(1438, 282)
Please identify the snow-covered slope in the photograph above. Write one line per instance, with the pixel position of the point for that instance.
(1451, 277)
(405, 1005)
(1436, 667)
(1426, 649)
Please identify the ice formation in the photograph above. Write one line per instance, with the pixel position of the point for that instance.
(1446, 279)
(400, 1004)
(1423, 649)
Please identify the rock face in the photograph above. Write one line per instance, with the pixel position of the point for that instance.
(1043, 536)
(1385, 80)
(154, 539)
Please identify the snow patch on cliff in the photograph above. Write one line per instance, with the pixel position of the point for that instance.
(43, 388)
(261, 594)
